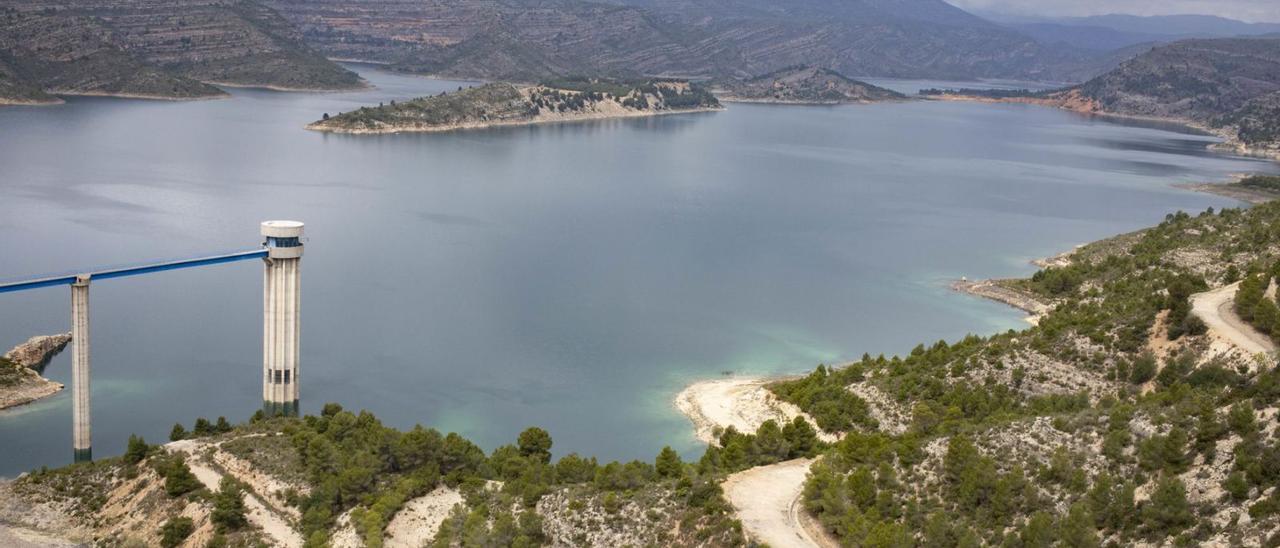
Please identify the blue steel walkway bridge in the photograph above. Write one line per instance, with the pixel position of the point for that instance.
(282, 253)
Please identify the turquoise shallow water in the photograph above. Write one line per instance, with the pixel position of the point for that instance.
(572, 276)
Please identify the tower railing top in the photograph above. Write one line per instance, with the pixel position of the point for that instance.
(121, 271)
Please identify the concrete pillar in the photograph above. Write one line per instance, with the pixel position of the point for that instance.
(281, 330)
(82, 443)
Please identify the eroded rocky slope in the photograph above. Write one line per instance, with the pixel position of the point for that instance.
(531, 40)
(153, 48)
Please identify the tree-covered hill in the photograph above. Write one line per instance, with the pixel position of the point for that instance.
(1229, 82)
(807, 85)
(1119, 419)
(343, 478)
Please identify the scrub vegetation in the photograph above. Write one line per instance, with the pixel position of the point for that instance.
(501, 103)
(1112, 421)
(1119, 419)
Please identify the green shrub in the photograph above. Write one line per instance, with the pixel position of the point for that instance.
(228, 506)
(175, 531)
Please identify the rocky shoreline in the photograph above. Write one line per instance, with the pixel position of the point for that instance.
(1075, 102)
(24, 382)
(729, 98)
(10, 102)
(1252, 196)
(997, 290)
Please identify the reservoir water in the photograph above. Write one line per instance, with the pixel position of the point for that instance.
(571, 276)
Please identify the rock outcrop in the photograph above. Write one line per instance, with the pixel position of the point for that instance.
(20, 380)
(37, 351)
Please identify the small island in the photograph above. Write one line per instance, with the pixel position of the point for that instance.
(503, 104)
(806, 85)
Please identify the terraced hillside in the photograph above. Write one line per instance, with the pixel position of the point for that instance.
(530, 40)
(153, 48)
(1229, 83)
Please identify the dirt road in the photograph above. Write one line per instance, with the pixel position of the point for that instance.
(274, 525)
(767, 500)
(1215, 308)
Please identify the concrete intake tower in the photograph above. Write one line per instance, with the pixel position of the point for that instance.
(281, 330)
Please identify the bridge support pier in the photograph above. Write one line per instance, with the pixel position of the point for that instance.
(281, 330)
(80, 390)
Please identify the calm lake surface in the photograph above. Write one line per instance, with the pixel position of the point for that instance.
(571, 276)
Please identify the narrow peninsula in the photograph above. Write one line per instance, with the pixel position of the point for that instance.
(806, 85)
(20, 379)
(1229, 87)
(502, 104)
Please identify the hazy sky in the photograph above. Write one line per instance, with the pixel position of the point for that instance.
(1246, 10)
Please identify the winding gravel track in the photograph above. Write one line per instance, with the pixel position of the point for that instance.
(767, 500)
(1215, 308)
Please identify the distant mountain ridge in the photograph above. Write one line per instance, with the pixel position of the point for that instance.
(153, 48)
(1194, 79)
(528, 40)
(1230, 84)
(1109, 32)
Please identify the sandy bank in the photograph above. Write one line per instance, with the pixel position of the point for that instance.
(419, 520)
(741, 402)
(751, 100)
(1252, 196)
(28, 391)
(30, 102)
(145, 96)
(364, 84)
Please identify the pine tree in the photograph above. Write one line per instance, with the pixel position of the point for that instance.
(228, 506)
(178, 432)
(1077, 528)
(175, 531)
(137, 450)
(1237, 486)
(1038, 531)
(536, 443)
(1241, 419)
(1168, 512)
(202, 428)
(179, 480)
(668, 463)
